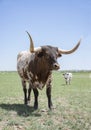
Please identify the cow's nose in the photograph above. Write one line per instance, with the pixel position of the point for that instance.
(56, 66)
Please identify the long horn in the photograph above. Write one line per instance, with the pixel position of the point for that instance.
(70, 51)
(31, 43)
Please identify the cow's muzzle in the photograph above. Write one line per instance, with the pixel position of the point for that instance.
(56, 66)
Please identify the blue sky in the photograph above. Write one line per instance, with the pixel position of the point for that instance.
(58, 23)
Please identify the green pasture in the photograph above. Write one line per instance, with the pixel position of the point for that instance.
(72, 104)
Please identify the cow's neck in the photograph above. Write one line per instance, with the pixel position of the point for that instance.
(40, 70)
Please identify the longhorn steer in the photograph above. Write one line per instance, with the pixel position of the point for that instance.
(35, 67)
(67, 77)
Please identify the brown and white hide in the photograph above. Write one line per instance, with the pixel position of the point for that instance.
(35, 67)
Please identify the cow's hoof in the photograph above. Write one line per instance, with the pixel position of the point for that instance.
(35, 107)
(28, 101)
(25, 102)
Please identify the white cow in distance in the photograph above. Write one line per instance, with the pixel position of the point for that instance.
(67, 77)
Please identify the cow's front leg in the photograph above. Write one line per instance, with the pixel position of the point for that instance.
(29, 92)
(25, 91)
(36, 93)
(66, 82)
(48, 91)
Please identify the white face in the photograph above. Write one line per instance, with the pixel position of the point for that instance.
(67, 75)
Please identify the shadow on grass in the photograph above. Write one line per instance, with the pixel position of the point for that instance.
(22, 110)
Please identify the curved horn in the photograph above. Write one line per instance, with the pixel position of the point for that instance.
(31, 43)
(70, 51)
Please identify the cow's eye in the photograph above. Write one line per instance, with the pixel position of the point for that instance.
(40, 54)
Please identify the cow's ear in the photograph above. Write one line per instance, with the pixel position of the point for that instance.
(59, 55)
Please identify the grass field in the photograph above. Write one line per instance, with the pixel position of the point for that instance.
(72, 104)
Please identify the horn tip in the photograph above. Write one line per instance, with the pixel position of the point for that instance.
(79, 41)
(27, 32)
